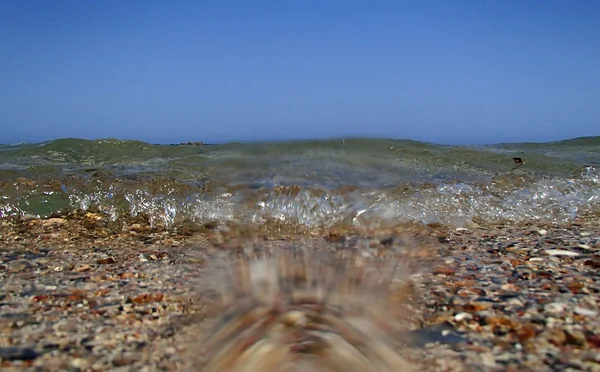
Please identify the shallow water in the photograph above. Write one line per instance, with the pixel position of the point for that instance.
(359, 182)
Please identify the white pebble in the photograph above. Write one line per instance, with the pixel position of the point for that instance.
(488, 359)
(462, 316)
(585, 233)
(555, 307)
(461, 229)
(584, 311)
(542, 232)
(584, 246)
(79, 363)
(535, 259)
(561, 252)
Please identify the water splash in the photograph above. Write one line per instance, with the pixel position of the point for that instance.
(512, 197)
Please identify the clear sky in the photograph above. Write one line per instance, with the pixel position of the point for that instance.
(448, 71)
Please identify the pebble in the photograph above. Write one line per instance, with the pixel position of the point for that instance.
(488, 360)
(502, 300)
(79, 363)
(585, 312)
(17, 353)
(555, 307)
(83, 268)
(462, 316)
(54, 221)
(561, 252)
(536, 259)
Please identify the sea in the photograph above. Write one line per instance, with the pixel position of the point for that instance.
(358, 182)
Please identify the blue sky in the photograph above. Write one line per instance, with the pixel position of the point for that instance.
(449, 71)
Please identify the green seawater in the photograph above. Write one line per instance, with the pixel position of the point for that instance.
(320, 182)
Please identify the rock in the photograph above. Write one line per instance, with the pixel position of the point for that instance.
(584, 311)
(463, 316)
(93, 216)
(443, 270)
(17, 353)
(53, 221)
(106, 261)
(592, 263)
(488, 360)
(124, 360)
(21, 265)
(443, 333)
(443, 239)
(555, 307)
(561, 252)
(575, 337)
(79, 363)
(83, 268)
(542, 232)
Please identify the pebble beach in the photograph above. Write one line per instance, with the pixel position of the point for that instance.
(79, 295)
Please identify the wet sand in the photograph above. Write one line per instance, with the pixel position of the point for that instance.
(82, 293)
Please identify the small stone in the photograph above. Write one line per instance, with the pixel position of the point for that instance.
(542, 232)
(575, 337)
(79, 363)
(21, 265)
(555, 307)
(488, 360)
(17, 353)
(443, 270)
(83, 268)
(106, 261)
(461, 229)
(594, 341)
(463, 316)
(592, 263)
(557, 337)
(53, 221)
(584, 246)
(584, 311)
(526, 332)
(93, 216)
(124, 360)
(443, 239)
(561, 252)
(585, 233)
